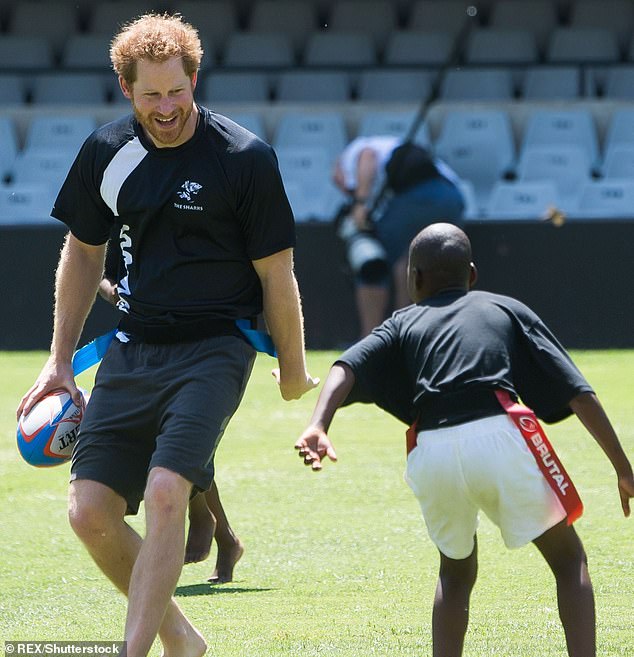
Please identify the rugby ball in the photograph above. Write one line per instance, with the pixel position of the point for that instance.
(46, 435)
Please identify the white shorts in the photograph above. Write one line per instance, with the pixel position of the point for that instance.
(486, 464)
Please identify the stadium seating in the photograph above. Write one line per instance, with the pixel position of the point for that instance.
(501, 46)
(567, 166)
(60, 133)
(26, 203)
(537, 16)
(246, 86)
(43, 166)
(521, 200)
(341, 49)
(563, 127)
(8, 147)
(373, 63)
(479, 146)
(418, 48)
(380, 85)
(12, 89)
(608, 199)
(397, 123)
(322, 129)
(313, 86)
(251, 121)
(251, 50)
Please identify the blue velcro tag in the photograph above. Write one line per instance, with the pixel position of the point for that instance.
(259, 340)
(92, 353)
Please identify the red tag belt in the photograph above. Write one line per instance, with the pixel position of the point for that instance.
(540, 447)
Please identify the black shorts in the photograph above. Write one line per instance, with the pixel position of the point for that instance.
(161, 405)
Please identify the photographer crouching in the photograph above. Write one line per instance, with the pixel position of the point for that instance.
(396, 189)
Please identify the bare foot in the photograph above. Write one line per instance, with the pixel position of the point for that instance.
(189, 644)
(228, 557)
(202, 526)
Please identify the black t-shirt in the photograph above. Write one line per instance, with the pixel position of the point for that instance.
(189, 219)
(457, 343)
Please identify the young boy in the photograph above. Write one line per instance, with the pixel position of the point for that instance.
(446, 365)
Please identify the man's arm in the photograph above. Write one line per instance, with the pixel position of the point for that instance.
(314, 444)
(78, 275)
(283, 316)
(588, 409)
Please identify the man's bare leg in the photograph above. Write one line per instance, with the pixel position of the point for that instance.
(96, 515)
(202, 526)
(564, 553)
(230, 547)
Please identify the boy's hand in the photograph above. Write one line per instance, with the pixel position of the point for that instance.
(626, 491)
(313, 445)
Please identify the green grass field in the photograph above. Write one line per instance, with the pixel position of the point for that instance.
(337, 562)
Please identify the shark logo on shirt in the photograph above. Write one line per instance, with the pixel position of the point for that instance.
(189, 189)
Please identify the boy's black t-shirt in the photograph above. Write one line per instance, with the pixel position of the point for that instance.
(459, 342)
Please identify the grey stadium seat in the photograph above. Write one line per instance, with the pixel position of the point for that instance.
(8, 146)
(342, 49)
(313, 86)
(43, 166)
(374, 17)
(60, 132)
(537, 16)
(215, 20)
(614, 15)
(607, 199)
(618, 161)
(551, 83)
(69, 89)
(252, 121)
(381, 85)
(393, 122)
(578, 44)
(477, 84)
(296, 18)
(54, 21)
(501, 46)
(321, 129)
(554, 127)
(228, 86)
(479, 146)
(108, 17)
(619, 83)
(440, 15)
(87, 51)
(12, 89)
(568, 166)
(35, 52)
(26, 203)
(620, 130)
(245, 49)
(420, 48)
(521, 200)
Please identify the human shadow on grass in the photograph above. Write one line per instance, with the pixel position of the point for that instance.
(213, 589)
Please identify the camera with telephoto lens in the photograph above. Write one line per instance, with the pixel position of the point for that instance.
(366, 255)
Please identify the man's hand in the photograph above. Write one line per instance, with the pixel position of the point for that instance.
(626, 491)
(314, 445)
(54, 376)
(295, 389)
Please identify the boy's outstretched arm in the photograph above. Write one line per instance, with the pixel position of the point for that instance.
(588, 409)
(314, 444)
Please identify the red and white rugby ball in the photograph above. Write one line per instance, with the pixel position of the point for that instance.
(46, 435)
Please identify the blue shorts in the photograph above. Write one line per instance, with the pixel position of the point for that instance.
(408, 213)
(161, 405)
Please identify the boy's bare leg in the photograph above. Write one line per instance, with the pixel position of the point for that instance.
(230, 547)
(564, 553)
(451, 604)
(96, 515)
(202, 526)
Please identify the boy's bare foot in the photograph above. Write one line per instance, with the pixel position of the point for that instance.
(228, 557)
